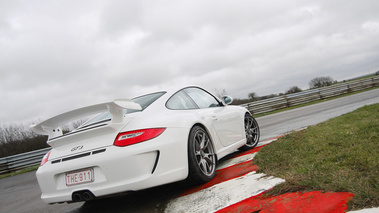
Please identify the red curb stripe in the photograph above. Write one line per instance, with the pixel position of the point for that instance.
(228, 173)
(315, 201)
(256, 149)
(224, 175)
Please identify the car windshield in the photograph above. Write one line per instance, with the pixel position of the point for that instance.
(144, 101)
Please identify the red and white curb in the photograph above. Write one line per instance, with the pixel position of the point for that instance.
(236, 180)
(237, 187)
(224, 194)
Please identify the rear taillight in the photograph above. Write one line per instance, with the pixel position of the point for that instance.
(137, 136)
(45, 158)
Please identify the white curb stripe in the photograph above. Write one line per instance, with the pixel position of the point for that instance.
(266, 142)
(223, 194)
(370, 210)
(230, 162)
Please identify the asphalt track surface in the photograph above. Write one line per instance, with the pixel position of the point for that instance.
(22, 194)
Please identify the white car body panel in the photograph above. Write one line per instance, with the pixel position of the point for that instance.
(158, 161)
(112, 172)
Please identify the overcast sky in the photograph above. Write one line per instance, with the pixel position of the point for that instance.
(60, 55)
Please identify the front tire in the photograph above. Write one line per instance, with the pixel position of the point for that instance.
(251, 131)
(201, 156)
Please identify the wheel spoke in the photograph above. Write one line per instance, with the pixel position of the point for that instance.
(251, 131)
(204, 153)
(203, 166)
(209, 159)
(197, 148)
(203, 141)
(197, 142)
(206, 145)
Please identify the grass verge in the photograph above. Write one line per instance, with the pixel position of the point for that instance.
(340, 155)
(28, 169)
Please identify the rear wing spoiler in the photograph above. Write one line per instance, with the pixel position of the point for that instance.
(52, 126)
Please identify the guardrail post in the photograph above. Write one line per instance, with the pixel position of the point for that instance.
(348, 88)
(319, 94)
(248, 108)
(287, 102)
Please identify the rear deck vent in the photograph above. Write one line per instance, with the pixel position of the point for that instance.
(78, 156)
(56, 161)
(98, 151)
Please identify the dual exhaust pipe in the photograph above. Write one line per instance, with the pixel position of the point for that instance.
(85, 195)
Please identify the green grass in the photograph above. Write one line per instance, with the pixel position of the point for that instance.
(29, 169)
(340, 155)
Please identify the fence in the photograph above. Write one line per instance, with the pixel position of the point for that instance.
(20, 161)
(16, 162)
(272, 104)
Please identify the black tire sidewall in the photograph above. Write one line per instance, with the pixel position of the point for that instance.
(245, 147)
(195, 175)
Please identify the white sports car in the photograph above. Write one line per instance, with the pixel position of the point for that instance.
(136, 144)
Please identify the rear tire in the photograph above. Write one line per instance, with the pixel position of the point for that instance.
(251, 131)
(201, 156)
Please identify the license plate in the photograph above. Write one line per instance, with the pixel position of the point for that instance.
(84, 176)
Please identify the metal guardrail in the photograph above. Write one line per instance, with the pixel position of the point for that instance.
(268, 105)
(20, 161)
(23, 160)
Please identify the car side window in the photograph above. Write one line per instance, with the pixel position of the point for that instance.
(181, 101)
(202, 98)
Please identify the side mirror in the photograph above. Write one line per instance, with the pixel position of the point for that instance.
(227, 99)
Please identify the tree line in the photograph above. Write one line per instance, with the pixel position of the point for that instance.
(19, 138)
(317, 82)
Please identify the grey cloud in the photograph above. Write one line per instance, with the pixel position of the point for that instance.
(60, 55)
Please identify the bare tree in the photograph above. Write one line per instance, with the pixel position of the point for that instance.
(321, 82)
(73, 125)
(253, 96)
(14, 132)
(293, 89)
(220, 92)
(18, 138)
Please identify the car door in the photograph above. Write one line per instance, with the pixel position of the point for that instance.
(226, 122)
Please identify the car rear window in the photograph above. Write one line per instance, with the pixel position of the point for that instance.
(181, 101)
(144, 101)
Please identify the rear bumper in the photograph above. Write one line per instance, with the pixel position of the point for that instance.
(120, 169)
